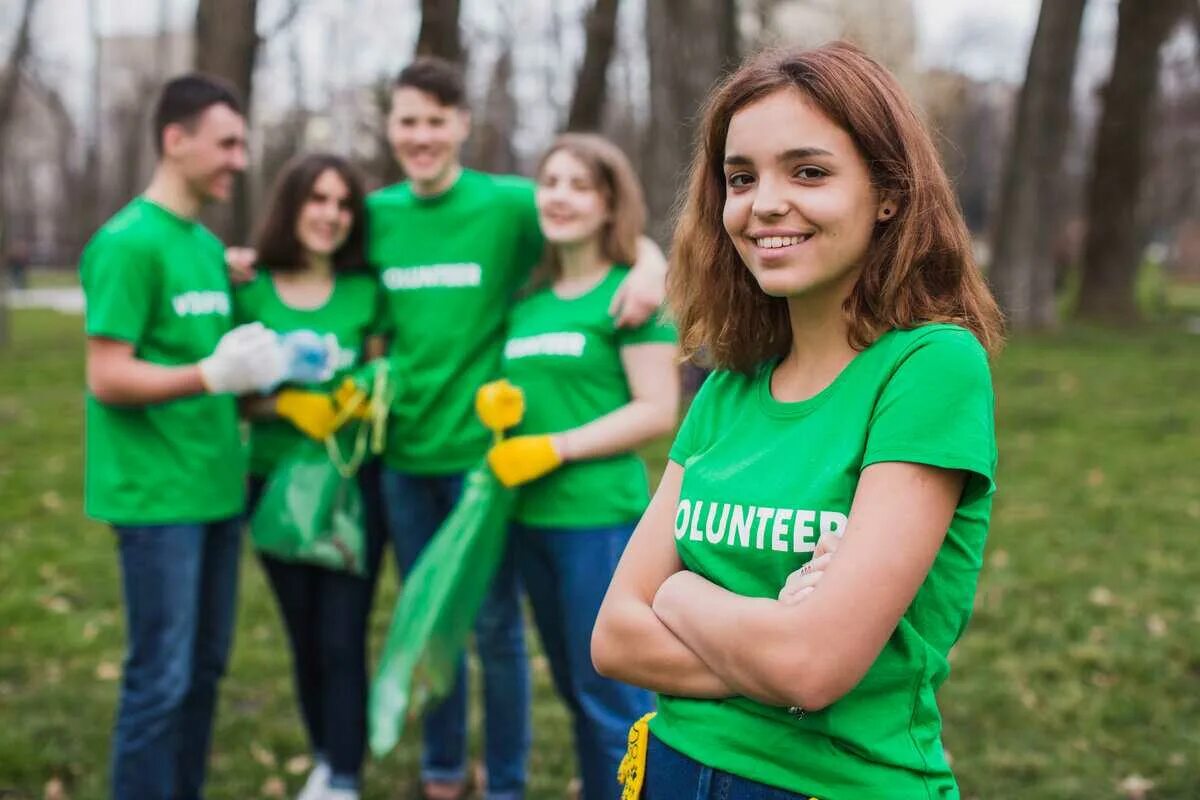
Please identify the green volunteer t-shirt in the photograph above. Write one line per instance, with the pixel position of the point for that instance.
(352, 313)
(565, 354)
(763, 480)
(450, 266)
(157, 281)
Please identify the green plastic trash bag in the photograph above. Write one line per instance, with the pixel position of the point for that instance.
(439, 600)
(311, 512)
(311, 509)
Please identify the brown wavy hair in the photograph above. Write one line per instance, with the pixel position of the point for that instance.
(918, 268)
(614, 177)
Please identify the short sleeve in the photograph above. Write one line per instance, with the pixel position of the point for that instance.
(938, 408)
(694, 423)
(120, 284)
(657, 329)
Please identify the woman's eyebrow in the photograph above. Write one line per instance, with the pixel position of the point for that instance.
(787, 155)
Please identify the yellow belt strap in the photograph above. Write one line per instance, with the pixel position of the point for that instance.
(632, 772)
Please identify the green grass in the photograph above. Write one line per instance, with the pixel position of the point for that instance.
(1080, 669)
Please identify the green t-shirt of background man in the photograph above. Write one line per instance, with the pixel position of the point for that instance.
(565, 354)
(763, 480)
(158, 282)
(352, 313)
(450, 267)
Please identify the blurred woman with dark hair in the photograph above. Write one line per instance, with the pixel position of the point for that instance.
(311, 277)
(811, 554)
(593, 393)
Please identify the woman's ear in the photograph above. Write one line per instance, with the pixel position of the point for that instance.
(888, 207)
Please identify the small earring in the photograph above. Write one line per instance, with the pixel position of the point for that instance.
(887, 212)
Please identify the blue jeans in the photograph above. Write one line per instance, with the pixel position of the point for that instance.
(416, 507)
(566, 572)
(325, 614)
(180, 587)
(670, 775)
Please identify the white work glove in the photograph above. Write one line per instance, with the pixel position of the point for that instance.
(249, 358)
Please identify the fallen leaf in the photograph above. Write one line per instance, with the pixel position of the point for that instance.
(52, 501)
(1156, 625)
(1177, 760)
(262, 755)
(90, 630)
(1095, 477)
(1135, 787)
(1102, 596)
(273, 787)
(999, 558)
(55, 603)
(55, 790)
(108, 671)
(298, 765)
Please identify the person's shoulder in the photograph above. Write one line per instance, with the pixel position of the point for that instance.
(397, 194)
(132, 229)
(511, 188)
(946, 339)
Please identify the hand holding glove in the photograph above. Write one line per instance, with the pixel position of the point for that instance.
(500, 405)
(312, 413)
(522, 459)
(248, 358)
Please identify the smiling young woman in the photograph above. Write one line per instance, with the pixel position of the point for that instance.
(810, 556)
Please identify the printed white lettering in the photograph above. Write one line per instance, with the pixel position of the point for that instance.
(432, 276)
(568, 343)
(200, 304)
(779, 529)
(684, 510)
(742, 520)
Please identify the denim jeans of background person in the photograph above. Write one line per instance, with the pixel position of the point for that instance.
(180, 587)
(566, 573)
(416, 507)
(325, 614)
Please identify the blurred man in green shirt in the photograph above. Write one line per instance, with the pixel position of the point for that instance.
(164, 459)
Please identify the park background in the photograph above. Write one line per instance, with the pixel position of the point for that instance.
(1071, 129)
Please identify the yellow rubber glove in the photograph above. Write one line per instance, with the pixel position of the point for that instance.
(500, 405)
(349, 395)
(312, 413)
(522, 459)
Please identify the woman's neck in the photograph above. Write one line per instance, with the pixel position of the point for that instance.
(308, 287)
(820, 346)
(580, 262)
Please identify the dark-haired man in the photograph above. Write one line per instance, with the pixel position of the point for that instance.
(452, 247)
(164, 461)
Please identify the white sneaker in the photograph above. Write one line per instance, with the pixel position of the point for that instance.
(340, 794)
(317, 785)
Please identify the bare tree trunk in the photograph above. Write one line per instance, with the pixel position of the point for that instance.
(1114, 238)
(493, 137)
(591, 87)
(691, 43)
(439, 34)
(1022, 268)
(10, 84)
(227, 45)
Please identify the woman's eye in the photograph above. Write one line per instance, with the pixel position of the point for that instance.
(810, 173)
(739, 180)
